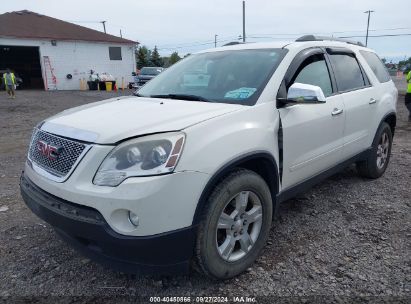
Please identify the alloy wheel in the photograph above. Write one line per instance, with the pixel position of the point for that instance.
(383, 150)
(239, 226)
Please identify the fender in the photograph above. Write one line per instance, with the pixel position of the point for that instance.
(272, 179)
(391, 122)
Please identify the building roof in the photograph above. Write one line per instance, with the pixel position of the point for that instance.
(30, 25)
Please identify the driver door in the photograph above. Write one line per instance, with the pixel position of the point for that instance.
(312, 133)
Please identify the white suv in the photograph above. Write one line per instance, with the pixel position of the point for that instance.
(191, 171)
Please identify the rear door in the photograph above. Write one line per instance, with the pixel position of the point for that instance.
(360, 100)
(312, 133)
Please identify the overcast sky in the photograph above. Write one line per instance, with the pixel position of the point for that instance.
(190, 25)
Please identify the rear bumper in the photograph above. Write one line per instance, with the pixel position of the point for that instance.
(86, 230)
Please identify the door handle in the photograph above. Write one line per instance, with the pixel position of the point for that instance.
(336, 112)
(372, 101)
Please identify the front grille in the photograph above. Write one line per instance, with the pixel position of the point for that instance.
(69, 153)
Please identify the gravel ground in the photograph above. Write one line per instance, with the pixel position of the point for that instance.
(346, 240)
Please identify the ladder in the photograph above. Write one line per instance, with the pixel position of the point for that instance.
(50, 80)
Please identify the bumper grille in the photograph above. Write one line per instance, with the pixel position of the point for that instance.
(62, 162)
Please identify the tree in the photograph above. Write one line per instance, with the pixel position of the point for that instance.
(155, 58)
(142, 57)
(166, 61)
(174, 58)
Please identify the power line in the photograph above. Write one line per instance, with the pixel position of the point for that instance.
(377, 36)
(332, 32)
(354, 36)
(193, 44)
(283, 38)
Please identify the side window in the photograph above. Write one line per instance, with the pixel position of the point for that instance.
(347, 72)
(314, 71)
(377, 66)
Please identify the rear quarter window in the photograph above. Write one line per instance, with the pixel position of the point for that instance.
(376, 66)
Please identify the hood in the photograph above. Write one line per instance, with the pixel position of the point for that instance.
(110, 121)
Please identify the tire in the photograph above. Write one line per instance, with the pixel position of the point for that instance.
(381, 149)
(245, 227)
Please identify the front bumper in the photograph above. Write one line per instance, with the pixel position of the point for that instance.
(163, 203)
(88, 232)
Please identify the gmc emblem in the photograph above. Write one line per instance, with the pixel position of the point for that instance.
(48, 150)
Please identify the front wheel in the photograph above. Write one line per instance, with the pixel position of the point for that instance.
(235, 225)
(377, 161)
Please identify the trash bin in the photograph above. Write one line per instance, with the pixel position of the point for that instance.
(92, 85)
(109, 85)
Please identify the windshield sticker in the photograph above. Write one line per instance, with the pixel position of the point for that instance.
(241, 93)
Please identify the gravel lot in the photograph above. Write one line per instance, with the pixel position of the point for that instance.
(346, 238)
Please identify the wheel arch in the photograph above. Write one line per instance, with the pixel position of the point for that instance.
(261, 162)
(391, 120)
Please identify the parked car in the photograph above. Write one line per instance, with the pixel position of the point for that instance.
(193, 173)
(146, 74)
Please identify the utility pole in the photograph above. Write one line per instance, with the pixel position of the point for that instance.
(243, 21)
(215, 40)
(368, 25)
(121, 34)
(104, 26)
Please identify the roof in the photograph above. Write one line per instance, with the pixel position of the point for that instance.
(290, 45)
(30, 25)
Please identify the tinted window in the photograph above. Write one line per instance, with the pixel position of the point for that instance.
(347, 72)
(315, 72)
(376, 65)
(114, 53)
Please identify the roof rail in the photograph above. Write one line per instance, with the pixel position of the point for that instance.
(322, 38)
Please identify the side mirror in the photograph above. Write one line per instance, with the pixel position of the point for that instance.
(133, 74)
(304, 93)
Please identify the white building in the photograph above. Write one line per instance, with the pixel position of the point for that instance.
(53, 54)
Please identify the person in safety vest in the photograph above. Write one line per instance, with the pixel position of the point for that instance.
(408, 95)
(9, 81)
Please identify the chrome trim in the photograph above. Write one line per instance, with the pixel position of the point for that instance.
(48, 174)
(69, 132)
(41, 171)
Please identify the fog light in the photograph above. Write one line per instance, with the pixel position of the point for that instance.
(133, 218)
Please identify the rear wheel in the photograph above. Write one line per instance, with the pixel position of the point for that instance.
(235, 225)
(377, 161)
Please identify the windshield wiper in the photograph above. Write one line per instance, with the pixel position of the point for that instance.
(182, 97)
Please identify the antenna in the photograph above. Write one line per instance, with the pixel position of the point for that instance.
(104, 26)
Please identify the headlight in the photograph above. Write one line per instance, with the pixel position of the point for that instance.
(148, 155)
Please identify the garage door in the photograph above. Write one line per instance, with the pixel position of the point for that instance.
(24, 61)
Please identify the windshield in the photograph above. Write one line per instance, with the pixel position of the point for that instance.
(151, 71)
(235, 76)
